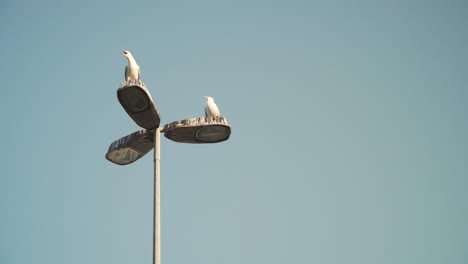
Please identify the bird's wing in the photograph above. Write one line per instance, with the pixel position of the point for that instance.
(126, 73)
(211, 109)
(215, 110)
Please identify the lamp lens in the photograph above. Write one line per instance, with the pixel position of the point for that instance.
(134, 99)
(214, 133)
(123, 156)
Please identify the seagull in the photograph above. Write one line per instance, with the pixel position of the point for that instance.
(211, 109)
(132, 70)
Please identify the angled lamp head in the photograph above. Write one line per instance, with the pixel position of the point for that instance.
(131, 148)
(137, 102)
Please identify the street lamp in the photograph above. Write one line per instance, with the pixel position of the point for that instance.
(198, 130)
(130, 148)
(138, 103)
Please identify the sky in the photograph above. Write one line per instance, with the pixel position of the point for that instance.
(349, 131)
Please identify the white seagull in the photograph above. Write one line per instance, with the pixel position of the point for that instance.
(211, 109)
(132, 70)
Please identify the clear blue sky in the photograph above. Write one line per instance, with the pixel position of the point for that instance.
(349, 131)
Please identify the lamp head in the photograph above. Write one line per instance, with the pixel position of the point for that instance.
(130, 148)
(198, 130)
(137, 102)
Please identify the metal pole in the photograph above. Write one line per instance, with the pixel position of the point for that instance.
(157, 199)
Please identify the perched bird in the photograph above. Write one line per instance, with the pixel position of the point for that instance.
(211, 109)
(132, 70)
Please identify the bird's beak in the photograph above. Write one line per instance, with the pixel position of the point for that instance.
(206, 97)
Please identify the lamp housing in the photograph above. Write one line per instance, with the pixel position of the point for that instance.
(198, 130)
(130, 148)
(137, 102)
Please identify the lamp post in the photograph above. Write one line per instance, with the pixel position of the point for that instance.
(138, 103)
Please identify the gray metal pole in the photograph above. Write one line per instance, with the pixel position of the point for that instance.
(157, 199)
